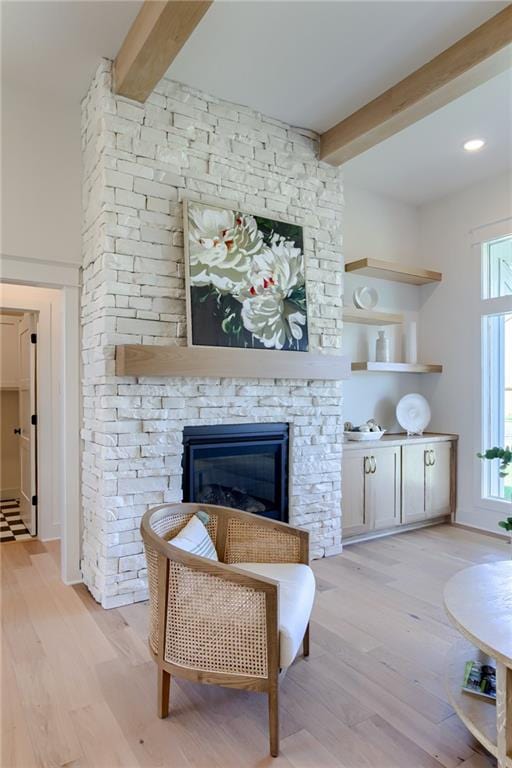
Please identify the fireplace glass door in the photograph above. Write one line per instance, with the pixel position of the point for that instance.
(240, 466)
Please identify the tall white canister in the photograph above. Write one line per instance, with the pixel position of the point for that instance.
(382, 348)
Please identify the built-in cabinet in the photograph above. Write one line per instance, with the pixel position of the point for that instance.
(397, 482)
(371, 490)
(426, 481)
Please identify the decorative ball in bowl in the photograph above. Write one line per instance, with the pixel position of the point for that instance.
(370, 430)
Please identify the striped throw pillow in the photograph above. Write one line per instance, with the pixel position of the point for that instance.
(194, 538)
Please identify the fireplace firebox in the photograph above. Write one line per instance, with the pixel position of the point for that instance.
(244, 466)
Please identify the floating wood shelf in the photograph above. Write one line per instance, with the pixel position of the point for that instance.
(369, 317)
(222, 362)
(391, 270)
(397, 367)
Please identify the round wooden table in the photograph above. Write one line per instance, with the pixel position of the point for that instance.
(478, 601)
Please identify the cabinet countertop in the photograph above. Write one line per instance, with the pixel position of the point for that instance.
(390, 440)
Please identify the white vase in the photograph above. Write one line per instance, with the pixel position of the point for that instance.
(410, 342)
(382, 348)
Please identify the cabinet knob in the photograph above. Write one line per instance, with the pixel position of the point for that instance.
(426, 458)
(432, 458)
(17, 430)
(373, 465)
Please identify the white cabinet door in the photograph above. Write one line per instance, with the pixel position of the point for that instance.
(384, 483)
(413, 482)
(355, 518)
(438, 474)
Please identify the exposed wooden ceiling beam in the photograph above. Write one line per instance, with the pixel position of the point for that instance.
(152, 43)
(471, 61)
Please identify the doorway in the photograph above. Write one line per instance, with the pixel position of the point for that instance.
(47, 416)
(18, 426)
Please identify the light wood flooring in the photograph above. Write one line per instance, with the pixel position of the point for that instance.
(78, 688)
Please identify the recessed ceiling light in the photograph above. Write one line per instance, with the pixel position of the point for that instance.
(473, 145)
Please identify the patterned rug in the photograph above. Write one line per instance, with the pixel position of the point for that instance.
(12, 527)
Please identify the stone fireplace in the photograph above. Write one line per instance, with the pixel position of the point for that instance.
(140, 163)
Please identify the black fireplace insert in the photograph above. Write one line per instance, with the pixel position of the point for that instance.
(244, 466)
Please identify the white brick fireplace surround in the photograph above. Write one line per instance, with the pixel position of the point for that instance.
(140, 163)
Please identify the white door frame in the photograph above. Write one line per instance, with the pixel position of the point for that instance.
(27, 429)
(21, 281)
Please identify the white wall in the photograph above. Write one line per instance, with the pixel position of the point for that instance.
(385, 229)
(41, 173)
(449, 325)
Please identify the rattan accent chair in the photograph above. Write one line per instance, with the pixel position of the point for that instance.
(214, 622)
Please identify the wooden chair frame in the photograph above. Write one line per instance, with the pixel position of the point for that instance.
(272, 541)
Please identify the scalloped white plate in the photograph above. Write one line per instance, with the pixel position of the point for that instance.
(365, 297)
(413, 413)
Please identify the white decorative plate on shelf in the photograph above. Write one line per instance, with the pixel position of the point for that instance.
(360, 436)
(365, 297)
(413, 414)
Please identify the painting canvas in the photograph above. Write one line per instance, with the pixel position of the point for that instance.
(246, 280)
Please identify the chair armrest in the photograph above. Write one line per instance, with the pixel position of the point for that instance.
(220, 619)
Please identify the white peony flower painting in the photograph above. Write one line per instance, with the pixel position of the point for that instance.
(246, 280)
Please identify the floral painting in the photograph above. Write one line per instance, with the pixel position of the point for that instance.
(246, 280)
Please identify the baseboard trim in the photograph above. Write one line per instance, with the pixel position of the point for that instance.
(475, 529)
(73, 582)
(394, 531)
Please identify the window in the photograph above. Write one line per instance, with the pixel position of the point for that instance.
(497, 268)
(497, 360)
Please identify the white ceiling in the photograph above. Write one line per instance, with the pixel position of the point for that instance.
(307, 63)
(426, 160)
(313, 63)
(54, 48)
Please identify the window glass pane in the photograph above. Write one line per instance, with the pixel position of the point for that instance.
(497, 389)
(508, 398)
(498, 268)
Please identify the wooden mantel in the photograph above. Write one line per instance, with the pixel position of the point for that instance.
(223, 362)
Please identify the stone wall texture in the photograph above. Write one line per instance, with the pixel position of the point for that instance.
(139, 163)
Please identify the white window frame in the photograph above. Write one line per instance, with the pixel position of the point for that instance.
(487, 307)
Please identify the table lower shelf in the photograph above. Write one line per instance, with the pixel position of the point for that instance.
(478, 715)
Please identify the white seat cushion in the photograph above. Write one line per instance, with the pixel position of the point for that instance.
(296, 595)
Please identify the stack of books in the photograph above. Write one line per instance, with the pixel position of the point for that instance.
(480, 680)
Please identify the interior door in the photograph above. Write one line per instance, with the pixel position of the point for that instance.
(27, 428)
(385, 471)
(439, 480)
